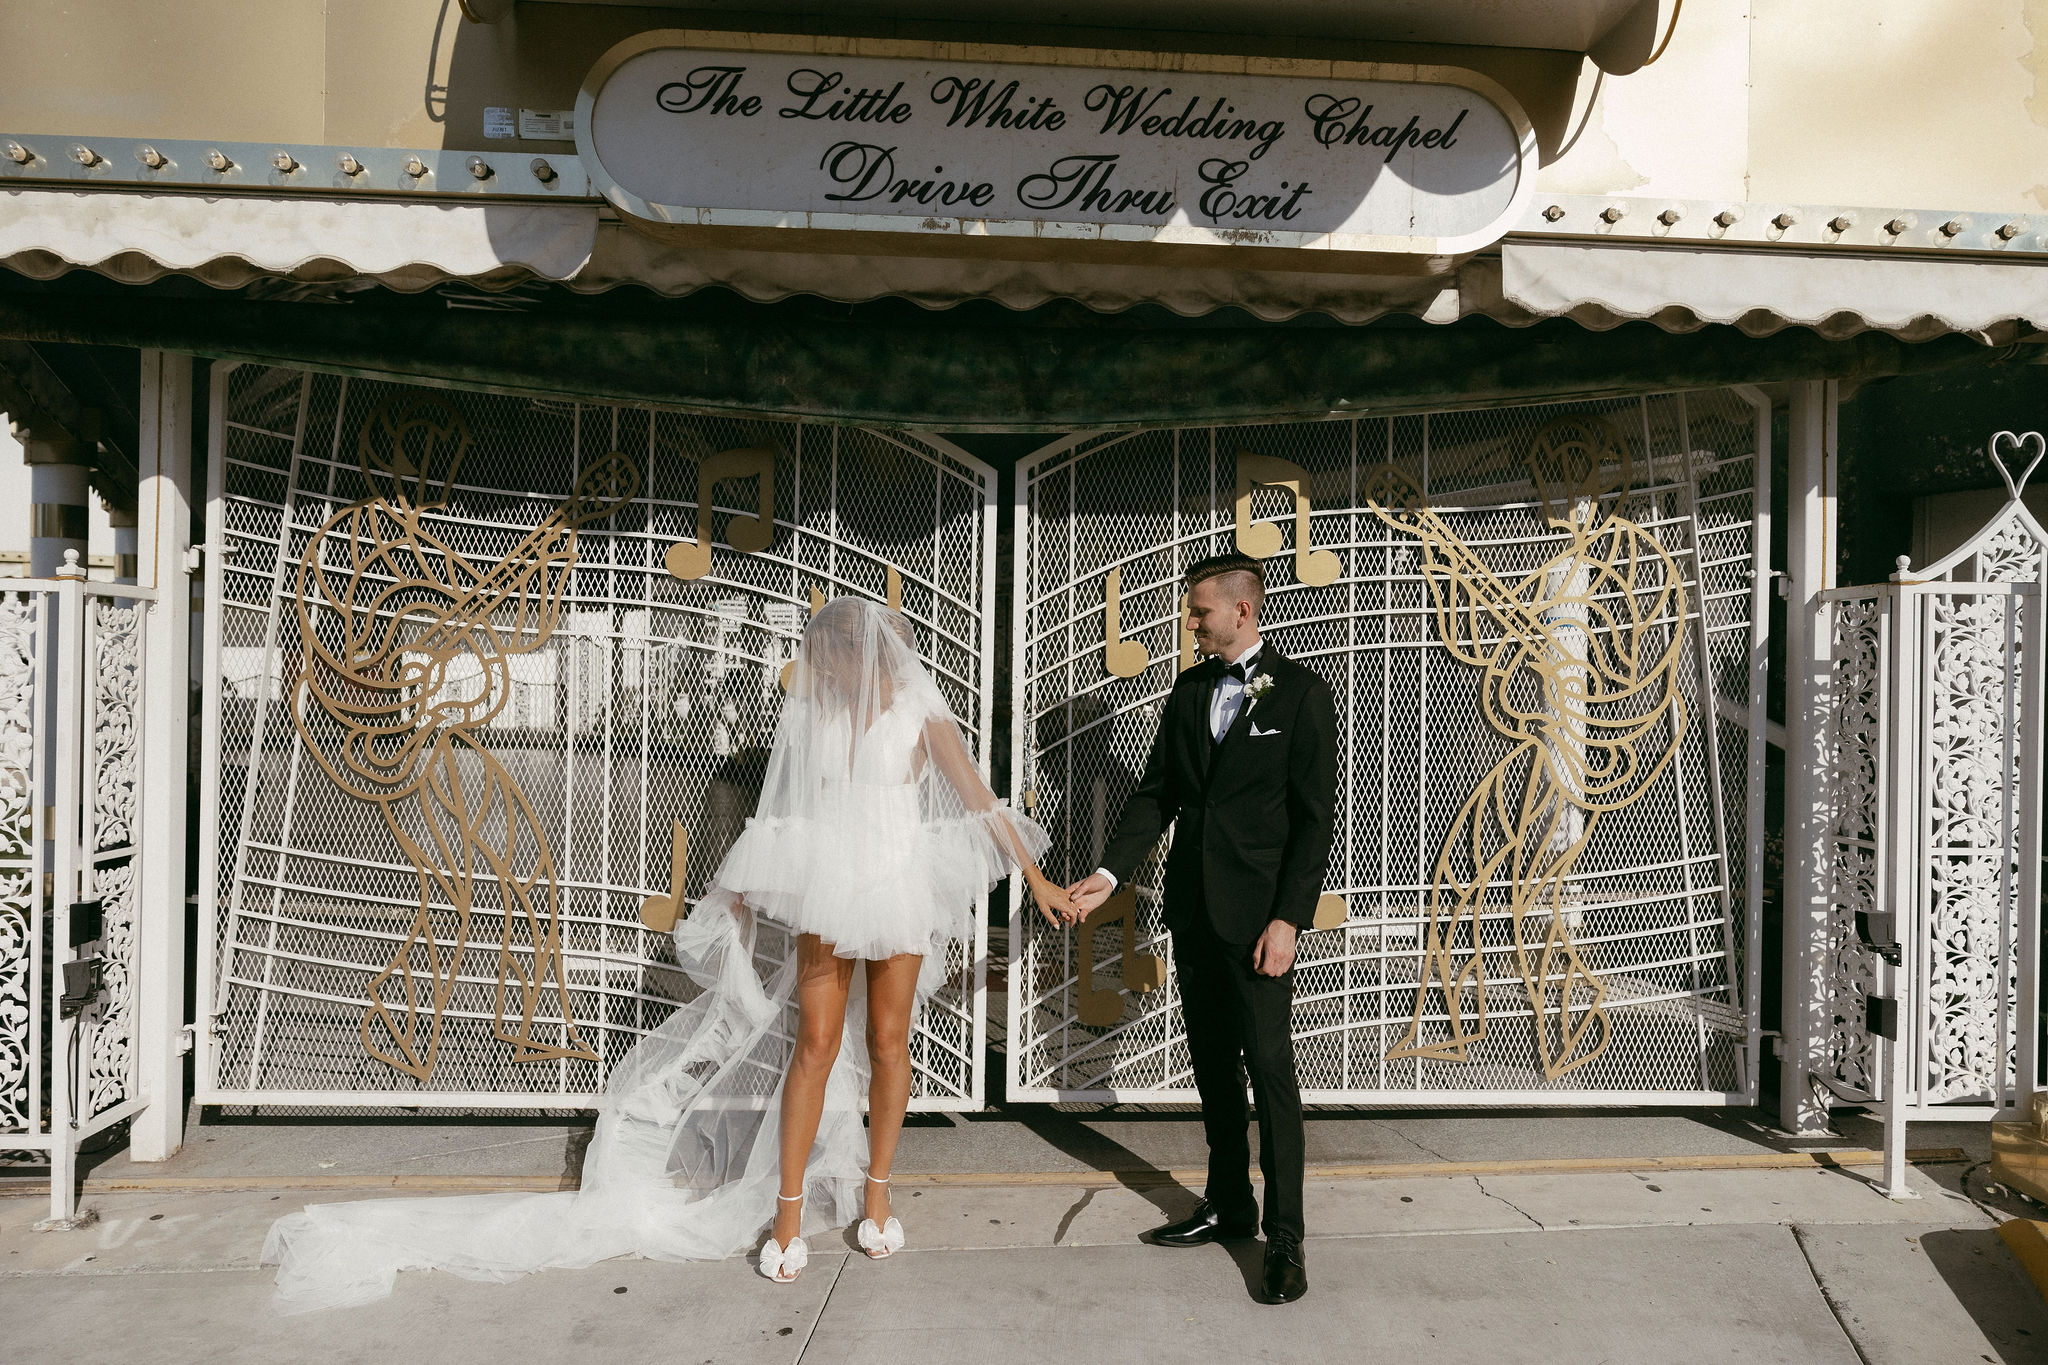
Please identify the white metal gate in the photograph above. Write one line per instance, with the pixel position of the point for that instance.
(491, 684)
(71, 678)
(1924, 987)
(1562, 600)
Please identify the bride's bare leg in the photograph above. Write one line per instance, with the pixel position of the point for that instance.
(821, 985)
(892, 995)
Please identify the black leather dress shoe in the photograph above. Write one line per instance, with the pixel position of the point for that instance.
(1204, 1227)
(1286, 1277)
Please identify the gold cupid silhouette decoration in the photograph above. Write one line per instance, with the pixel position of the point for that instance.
(385, 610)
(1594, 636)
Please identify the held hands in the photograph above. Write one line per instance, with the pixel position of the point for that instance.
(1088, 893)
(1273, 954)
(1054, 903)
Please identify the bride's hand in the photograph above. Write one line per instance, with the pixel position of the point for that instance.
(1053, 902)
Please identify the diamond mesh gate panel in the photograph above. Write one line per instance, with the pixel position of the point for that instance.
(1658, 901)
(589, 728)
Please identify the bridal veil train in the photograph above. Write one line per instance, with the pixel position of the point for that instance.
(875, 832)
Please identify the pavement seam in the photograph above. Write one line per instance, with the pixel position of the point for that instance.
(1480, 1184)
(117, 1272)
(1799, 1240)
(823, 1304)
(1133, 1178)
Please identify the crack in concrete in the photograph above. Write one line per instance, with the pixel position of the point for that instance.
(823, 1304)
(1995, 1215)
(1480, 1185)
(1841, 1322)
(1410, 1139)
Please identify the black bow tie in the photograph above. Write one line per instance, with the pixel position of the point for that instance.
(1240, 670)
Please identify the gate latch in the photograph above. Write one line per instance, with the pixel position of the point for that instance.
(84, 977)
(82, 981)
(1878, 931)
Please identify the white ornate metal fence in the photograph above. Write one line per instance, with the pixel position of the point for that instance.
(71, 674)
(1557, 606)
(1923, 984)
(491, 684)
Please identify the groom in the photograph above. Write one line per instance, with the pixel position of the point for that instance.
(1245, 767)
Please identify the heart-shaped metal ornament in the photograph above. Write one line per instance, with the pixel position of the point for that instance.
(2007, 450)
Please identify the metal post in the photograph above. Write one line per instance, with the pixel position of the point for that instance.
(1810, 565)
(65, 716)
(2033, 684)
(164, 520)
(1902, 869)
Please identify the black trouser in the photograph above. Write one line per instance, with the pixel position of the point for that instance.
(1239, 1021)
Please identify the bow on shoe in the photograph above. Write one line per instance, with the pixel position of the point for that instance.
(782, 1264)
(880, 1243)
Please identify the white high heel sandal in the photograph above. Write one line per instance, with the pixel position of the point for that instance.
(880, 1243)
(783, 1264)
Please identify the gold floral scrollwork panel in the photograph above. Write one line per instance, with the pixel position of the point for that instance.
(1593, 636)
(390, 613)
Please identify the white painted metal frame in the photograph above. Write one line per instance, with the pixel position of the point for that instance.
(164, 526)
(1933, 802)
(1183, 470)
(841, 544)
(74, 758)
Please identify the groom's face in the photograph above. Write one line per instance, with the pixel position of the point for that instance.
(1217, 617)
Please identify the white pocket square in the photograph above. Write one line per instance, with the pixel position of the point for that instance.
(1257, 733)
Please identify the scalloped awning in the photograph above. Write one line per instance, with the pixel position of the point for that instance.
(238, 242)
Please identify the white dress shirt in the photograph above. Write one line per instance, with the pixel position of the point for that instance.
(1225, 703)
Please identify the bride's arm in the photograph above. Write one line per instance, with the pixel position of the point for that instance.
(947, 752)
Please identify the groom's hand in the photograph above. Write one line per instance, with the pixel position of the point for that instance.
(1090, 892)
(1273, 954)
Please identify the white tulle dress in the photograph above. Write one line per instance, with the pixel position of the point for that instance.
(875, 832)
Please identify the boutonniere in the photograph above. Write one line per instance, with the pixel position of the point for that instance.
(1258, 687)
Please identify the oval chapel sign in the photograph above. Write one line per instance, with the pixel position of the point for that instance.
(1043, 147)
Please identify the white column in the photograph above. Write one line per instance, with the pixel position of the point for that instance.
(59, 502)
(1810, 549)
(164, 535)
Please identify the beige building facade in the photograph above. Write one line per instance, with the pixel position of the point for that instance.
(645, 327)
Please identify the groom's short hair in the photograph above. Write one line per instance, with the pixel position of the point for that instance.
(1246, 576)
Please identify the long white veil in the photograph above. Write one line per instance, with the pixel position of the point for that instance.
(875, 831)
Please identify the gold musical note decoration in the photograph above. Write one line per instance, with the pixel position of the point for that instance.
(404, 649)
(895, 589)
(1142, 972)
(817, 600)
(1120, 657)
(660, 913)
(1331, 911)
(691, 560)
(1262, 539)
(1592, 638)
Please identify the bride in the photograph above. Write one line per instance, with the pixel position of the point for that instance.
(873, 846)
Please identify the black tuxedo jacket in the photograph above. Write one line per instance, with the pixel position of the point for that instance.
(1254, 812)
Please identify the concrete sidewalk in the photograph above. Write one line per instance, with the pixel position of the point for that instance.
(1482, 1254)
